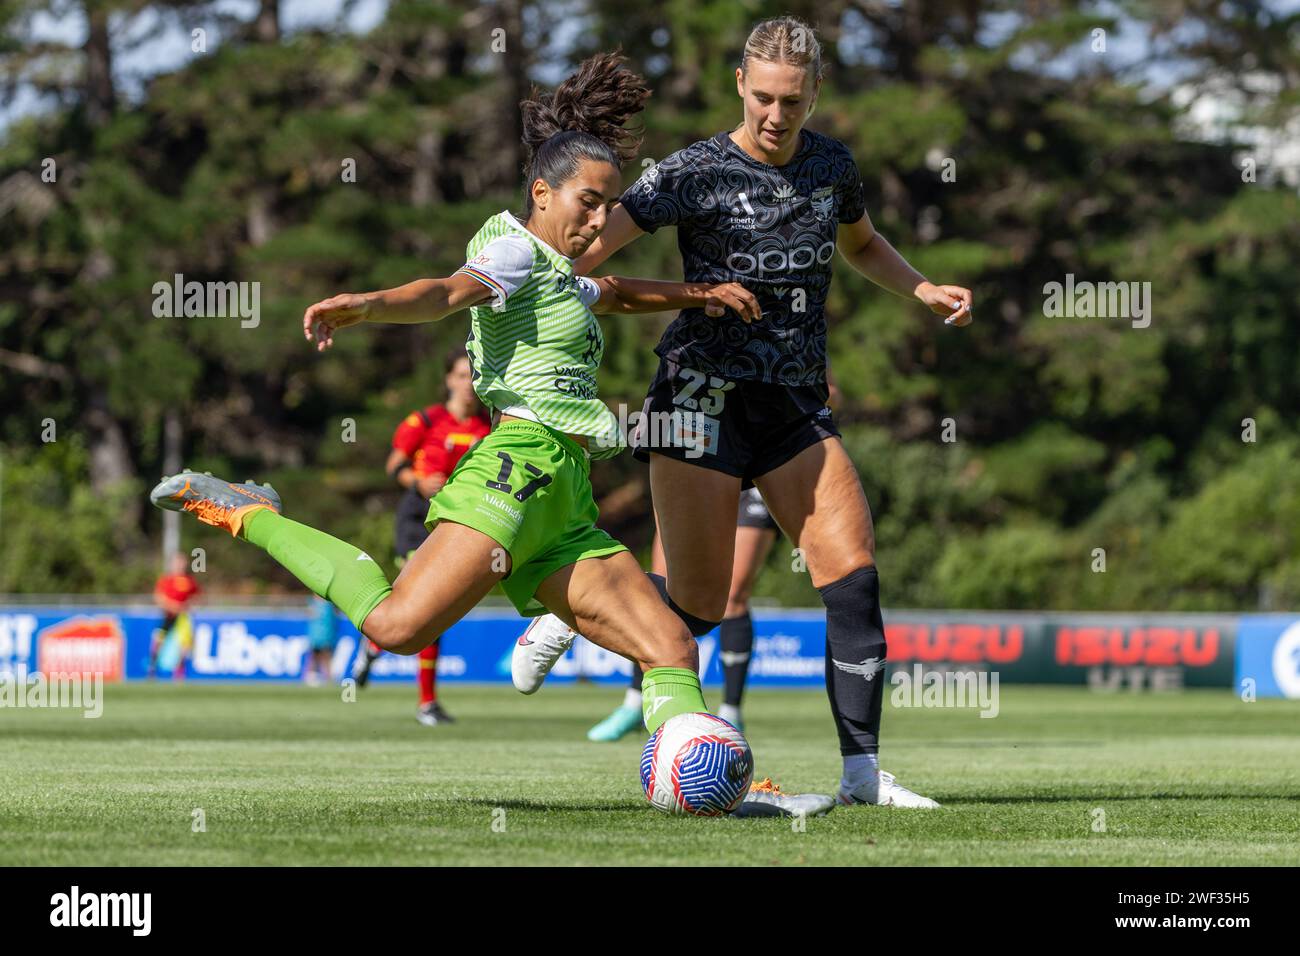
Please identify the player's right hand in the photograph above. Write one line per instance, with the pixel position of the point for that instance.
(734, 296)
(322, 320)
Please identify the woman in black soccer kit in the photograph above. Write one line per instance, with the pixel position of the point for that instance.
(756, 533)
(768, 205)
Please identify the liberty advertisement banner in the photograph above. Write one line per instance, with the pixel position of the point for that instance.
(1105, 652)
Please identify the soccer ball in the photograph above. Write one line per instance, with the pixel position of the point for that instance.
(697, 764)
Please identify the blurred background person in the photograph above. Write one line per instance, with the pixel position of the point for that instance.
(323, 633)
(174, 593)
(427, 446)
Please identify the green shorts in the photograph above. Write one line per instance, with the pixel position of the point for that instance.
(526, 486)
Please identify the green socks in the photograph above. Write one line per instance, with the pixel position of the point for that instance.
(337, 571)
(667, 692)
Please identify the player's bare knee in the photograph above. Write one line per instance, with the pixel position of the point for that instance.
(829, 567)
(391, 630)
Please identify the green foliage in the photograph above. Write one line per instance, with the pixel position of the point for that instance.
(997, 151)
(56, 529)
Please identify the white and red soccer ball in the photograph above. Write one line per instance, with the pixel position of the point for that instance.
(696, 764)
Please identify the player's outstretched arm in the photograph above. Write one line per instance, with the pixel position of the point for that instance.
(872, 255)
(424, 300)
(623, 295)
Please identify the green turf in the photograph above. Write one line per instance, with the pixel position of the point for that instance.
(290, 775)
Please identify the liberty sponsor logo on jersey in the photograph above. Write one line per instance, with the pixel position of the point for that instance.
(742, 213)
(741, 204)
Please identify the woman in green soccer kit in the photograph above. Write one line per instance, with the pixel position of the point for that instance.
(518, 510)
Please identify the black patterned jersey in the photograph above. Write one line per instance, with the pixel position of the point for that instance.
(770, 228)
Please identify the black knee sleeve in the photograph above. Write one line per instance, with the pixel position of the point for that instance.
(855, 658)
(697, 625)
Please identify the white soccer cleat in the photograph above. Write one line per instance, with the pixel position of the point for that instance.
(538, 648)
(885, 792)
(765, 799)
(731, 714)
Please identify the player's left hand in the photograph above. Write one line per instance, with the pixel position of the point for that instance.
(324, 318)
(951, 301)
(734, 296)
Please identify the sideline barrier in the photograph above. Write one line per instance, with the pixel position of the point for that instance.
(1104, 651)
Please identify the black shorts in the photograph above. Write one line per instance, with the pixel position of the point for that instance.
(753, 512)
(738, 427)
(410, 531)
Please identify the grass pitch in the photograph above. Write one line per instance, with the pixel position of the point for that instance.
(286, 775)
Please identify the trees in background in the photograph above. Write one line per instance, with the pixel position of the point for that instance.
(1002, 149)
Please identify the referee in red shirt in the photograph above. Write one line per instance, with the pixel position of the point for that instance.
(173, 593)
(426, 447)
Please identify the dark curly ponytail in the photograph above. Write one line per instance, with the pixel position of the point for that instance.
(582, 119)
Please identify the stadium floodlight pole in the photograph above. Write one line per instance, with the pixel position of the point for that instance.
(171, 538)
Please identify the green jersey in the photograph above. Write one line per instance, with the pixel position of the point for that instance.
(536, 346)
